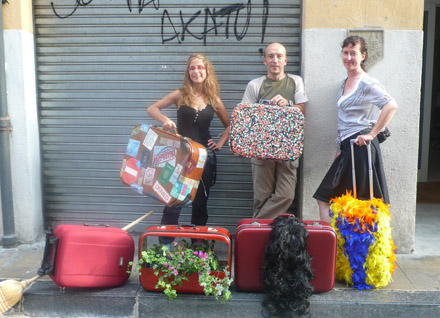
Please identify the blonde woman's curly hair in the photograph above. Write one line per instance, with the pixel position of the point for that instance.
(211, 88)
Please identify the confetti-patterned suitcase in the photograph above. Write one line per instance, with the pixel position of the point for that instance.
(163, 165)
(267, 132)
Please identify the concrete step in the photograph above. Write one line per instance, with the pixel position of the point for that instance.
(44, 299)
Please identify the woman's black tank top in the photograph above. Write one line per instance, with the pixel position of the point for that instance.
(194, 123)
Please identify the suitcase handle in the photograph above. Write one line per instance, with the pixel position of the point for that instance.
(49, 256)
(192, 226)
(175, 130)
(171, 130)
(370, 169)
(97, 224)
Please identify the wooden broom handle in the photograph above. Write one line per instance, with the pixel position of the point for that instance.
(125, 228)
(27, 282)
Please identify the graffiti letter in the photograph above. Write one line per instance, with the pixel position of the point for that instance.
(176, 34)
(81, 3)
(142, 4)
(227, 12)
(246, 26)
(265, 16)
(185, 25)
(213, 18)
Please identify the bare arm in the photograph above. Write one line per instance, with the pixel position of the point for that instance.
(224, 118)
(155, 109)
(385, 116)
(302, 108)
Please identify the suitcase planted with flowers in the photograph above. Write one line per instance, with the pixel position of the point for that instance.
(251, 238)
(163, 165)
(267, 132)
(187, 239)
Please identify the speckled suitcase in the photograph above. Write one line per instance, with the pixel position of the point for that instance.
(163, 165)
(267, 132)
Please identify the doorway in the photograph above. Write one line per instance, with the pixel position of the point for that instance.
(428, 188)
(434, 136)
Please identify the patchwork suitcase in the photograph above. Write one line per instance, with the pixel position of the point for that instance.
(251, 238)
(267, 132)
(163, 165)
(81, 256)
(222, 250)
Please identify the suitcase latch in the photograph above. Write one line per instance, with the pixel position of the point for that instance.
(121, 261)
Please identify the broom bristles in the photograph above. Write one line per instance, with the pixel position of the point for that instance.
(11, 292)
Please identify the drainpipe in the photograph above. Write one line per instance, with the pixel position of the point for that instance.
(9, 238)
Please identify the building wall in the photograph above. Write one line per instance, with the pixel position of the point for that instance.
(399, 70)
(325, 25)
(22, 108)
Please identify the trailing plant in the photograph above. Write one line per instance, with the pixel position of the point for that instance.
(176, 265)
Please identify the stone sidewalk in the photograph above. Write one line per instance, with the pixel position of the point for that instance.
(414, 292)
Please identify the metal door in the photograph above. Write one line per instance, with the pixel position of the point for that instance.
(100, 63)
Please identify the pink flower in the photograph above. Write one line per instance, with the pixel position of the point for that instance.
(176, 272)
(165, 264)
(203, 255)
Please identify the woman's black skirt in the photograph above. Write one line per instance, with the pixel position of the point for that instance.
(339, 177)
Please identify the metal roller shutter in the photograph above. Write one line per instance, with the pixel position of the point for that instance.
(101, 63)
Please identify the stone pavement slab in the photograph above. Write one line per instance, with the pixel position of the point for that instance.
(414, 292)
(43, 299)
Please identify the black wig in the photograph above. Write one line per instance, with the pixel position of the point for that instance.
(286, 271)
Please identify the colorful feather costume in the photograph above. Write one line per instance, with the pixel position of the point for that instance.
(365, 254)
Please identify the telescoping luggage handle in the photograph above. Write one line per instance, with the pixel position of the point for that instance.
(370, 169)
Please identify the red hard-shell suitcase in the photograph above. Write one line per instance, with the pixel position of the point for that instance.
(78, 256)
(267, 132)
(251, 238)
(163, 165)
(223, 251)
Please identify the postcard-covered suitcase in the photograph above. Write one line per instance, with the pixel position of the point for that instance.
(163, 165)
(222, 250)
(81, 256)
(251, 238)
(267, 132)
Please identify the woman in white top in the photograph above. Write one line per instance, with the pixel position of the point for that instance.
(364, 109)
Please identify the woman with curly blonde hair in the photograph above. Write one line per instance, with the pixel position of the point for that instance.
(196, 103)
(211, 87)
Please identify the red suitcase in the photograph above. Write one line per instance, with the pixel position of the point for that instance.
(223, 251)
(78, 256)
(163, 165)
(251, 238)
(267, 132)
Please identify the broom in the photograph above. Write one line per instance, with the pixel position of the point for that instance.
(11, 290)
